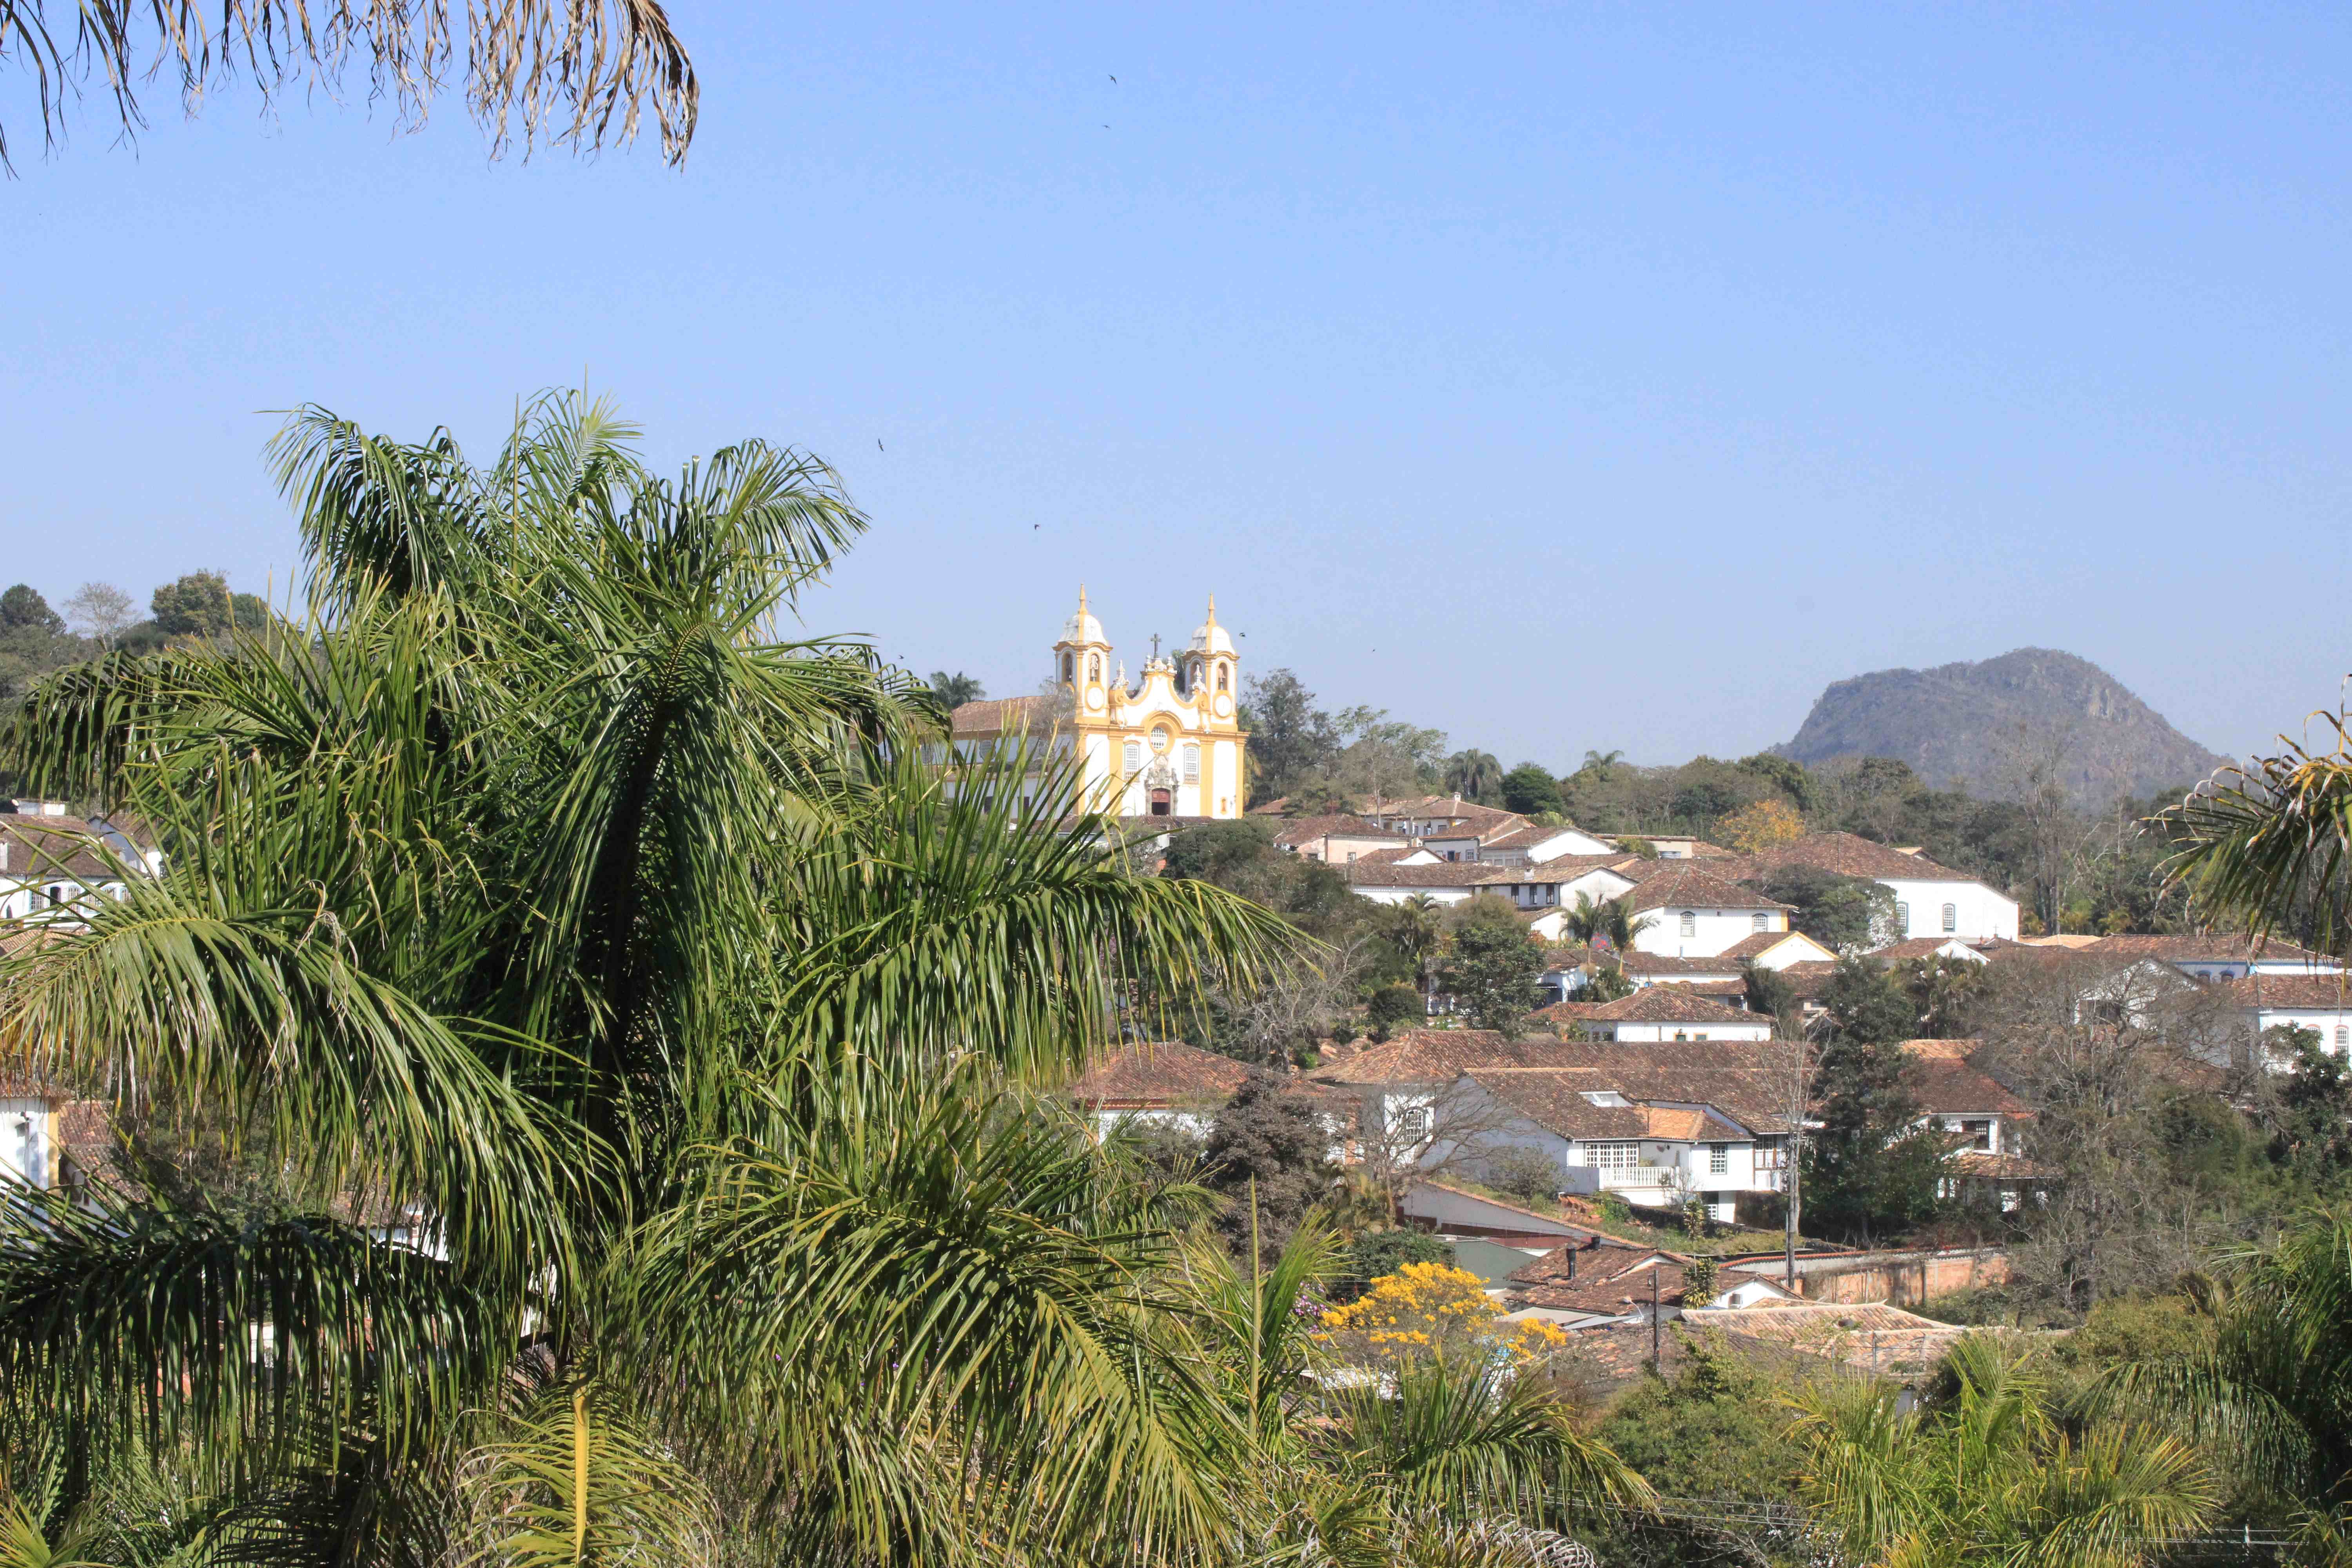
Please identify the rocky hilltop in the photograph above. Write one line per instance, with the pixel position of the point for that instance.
(1965, 723)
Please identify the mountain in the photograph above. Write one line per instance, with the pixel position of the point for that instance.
(1966, 724)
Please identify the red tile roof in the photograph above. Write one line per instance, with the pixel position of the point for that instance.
(1651, 1004)
(1165, 1072)
(1307, 829)
(1849, 855)
(2280, 992)
(1683, 884)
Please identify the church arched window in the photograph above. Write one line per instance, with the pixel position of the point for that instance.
(1220, 678)
(1069, 668)
(1094, 667)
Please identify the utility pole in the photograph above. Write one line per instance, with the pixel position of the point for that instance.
(1654, 1319)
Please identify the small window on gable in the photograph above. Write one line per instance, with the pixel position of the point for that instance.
(1690, 922)
(1951, 917)
(1763, 920)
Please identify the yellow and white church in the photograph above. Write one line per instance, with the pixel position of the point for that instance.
(1170, 746)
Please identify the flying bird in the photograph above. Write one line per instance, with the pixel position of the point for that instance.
(1114, 82)
(877, 443)
(1035, 526)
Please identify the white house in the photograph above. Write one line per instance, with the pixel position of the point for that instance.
(1656, 1013)
(1695, 913)
(1929, 899)
(1554, 884)
(1337, 839)
(2320, 1003)
(1164, 1083)
(1534, 843)
(1671, 1123)
(52, 865)
(2218, 957)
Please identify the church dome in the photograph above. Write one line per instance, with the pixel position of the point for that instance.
(1211, 638)
(1082, 627)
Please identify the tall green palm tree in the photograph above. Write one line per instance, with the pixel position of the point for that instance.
(1988, 1472)
(1605, 920)
(630, 1052)
(1473, 774)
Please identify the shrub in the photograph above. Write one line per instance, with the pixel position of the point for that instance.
(1392, 1005)
(1614, 1209)
(1760, 1211)
(1380, 1252)
(1426, 1310)
(1524, 1175)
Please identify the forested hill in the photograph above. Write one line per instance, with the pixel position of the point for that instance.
(1979, 724)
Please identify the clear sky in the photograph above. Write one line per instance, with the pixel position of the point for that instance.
(1561, 377)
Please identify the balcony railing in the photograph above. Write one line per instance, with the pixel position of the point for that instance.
(1613, 1176)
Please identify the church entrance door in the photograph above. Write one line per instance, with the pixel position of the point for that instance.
(1159, 803)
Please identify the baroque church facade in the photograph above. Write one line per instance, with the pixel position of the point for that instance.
(1170, 745)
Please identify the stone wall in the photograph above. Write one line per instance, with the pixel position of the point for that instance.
(1903, 1278)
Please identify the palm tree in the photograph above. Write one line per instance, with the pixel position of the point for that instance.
(1474, 775)
(1419, 931)
(579, 70)
(628, 1057)
(2272, 843)
(1605, 922)
(1986, 1472)
(954, 690)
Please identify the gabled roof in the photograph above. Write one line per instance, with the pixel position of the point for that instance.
(1651, 1004)
(1003, 715)
(1682, 884)
(1307, 829)
(1764, 941)
(1430, 1056)
(2281, 992)
(32, 847)
(1945, 1082)
(1747, 1080)
(1602, 1279)
(2190, 948)
(1850, 855)
(1163, 1072)
(1379, 869)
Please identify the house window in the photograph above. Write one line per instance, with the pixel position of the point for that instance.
(1690, 922)
(1191, 765)
(1718, 1159)
(1134, 755)
(1413, 1122)
(1612, 1156)
(1903, 919)
(2343, 1036)
(1951, 917)
(1979, 1135)
(1763, 921)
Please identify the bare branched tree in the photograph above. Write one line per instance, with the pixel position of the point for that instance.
(576, 72)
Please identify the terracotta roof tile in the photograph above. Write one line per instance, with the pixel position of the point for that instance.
(1850, 855)
(1307, 829)
(1685, 884)
(1167, 1072)
(2316, 992)
(1654, 1005)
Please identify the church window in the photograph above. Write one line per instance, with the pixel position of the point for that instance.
(1191, 765)
(1220, 678)
(1069, 667)
(1134, 755)
(1690, 922)
(1094, 667)
(1951, 917)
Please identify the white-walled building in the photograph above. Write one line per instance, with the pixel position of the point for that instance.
(1695, 913)
(1929, 899)
(2320, 1003)
(1164, 1083)
(1170, 745)
(1656, 1013)
(53, 865)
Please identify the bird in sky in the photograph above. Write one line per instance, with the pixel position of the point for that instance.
(1114, 82)
(878, 444)
(1035, 526)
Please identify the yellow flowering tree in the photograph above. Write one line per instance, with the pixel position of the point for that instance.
(1762, 825)
(1428, 1309)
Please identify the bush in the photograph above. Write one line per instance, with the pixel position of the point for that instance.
(1524, 1175)
(1380, 1252)
(1760, 1211)
(1427, 1309)
(1392, 1005)
(1614, 1209)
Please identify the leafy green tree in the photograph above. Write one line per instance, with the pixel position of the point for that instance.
(1783, 773)
(1375, 1253)
(1494, 972)
(1990, 1470)
(1268, 1155)
(1524, 1175)
(1771, 995)
(1392, 1007)
(1719, 1428)
(23, 608)
(954, 690)
(1869, 1168)
(698, 1022)
(1289, 735)
(194, 605)
(1529, 788)
(2311, 1131)
(1844, 915)
(1474, 775)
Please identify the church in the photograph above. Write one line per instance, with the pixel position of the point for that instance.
(1169, 746)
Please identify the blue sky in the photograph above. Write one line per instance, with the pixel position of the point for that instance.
(1562, 377)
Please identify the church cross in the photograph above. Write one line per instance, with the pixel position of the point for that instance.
(1155, 646)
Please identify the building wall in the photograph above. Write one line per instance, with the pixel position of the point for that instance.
(27, 1141)
(1977, 910)
(1712, 930)
(1902, 1279)
(2334, 1026)
(1380, 895)
(1639, 1034)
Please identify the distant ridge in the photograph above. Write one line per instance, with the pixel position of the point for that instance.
(1961, 722)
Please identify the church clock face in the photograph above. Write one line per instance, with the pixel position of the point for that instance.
(1095, 701)
(1224, 706)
